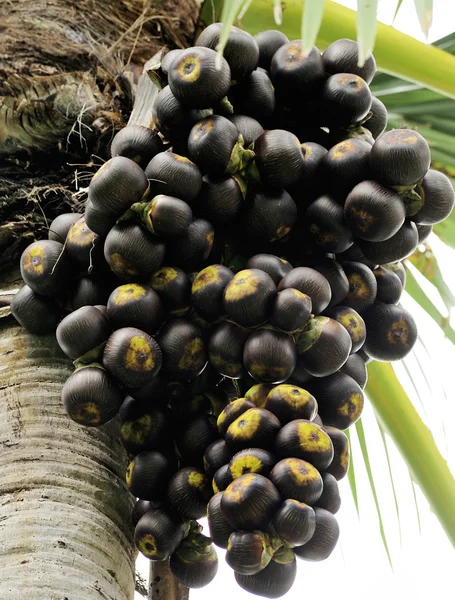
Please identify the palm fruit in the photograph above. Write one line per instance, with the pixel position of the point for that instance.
(188, 493)
(345, 165)
(173, 119)
(37, 314)
(352, 322)
(389, 286)
(166, 216)
(340, 463)
(83, 330)
(273, 265)
(306, 440)
(297, 479)
(145, 427)
(183, 348)
(194, 563)
(231, 412)
(167, 59)
(396, 248)
(248, 128)
(340, 399)
(248, 552)
(59, 227)
(91, 397)
(342, 56)
(254, 428)
(45, 267)
(356, 368)
(83, 245)
(225, 349)
(294, 522)
(89, 290)
(278, 158)
(149, 473)
(308, 185)
(193, 437)
(391, 332)
(139, 509)
(424, 232)
(335, 275)
(175, 175)
(221, 479)
(221, 198)
(438, 198)
(291, 310)
(192, 249)
(269, 214)
(216, 455)
(362, 286)
(251, 460)
(138, 143)
(275, 580)
(173, 286)
(158, 533)
(219, 528)
(288, 402)
(248, 297)
(268, 43)
(254, 96)
(324, 539)
(269, 356)
(249, 502)
(207, 291)
(99, 220)
(325, 223)
(257, 394)
(135, 305)
(377, 122)
(309, 282)
(345, 99)
(330, 498)
(211, 144)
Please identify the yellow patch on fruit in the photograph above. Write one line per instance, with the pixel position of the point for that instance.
(215, 488)
(246, 425)
(271, 372)
(301, 471)
(102, 169)
(342, 149)
(236, 490)
(281, 231)
(258, 394)
(80, 234)
(189, 69)
(87, 414)
(402, 135)
(202, 128)
(352, 407)
(245, 464)
(356, 84)
(182, 159)
(122, 266)
(357, 286)
(228, 369)
(196, 480)
(313, 439)
(163, 277)
(293, 54)
(363, 219)
(136, 431)
(130, 292)
(209, 238)
(139, 356)
(129, 473)
(208, 276)
(193, 354)
(398, 333)
(344, 457)
(35, 259)
(147, 545)
(352, 324)
(245, 283)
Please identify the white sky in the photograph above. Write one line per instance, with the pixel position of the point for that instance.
(423, 562)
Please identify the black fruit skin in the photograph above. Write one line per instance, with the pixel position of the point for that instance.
(45, 267)
(146, 427)
(279, 158)
(194, 563)
(297, 479)
(248, 298)
(304, 439)
(89, 290)
(362, 286)
(330, 498)
(309, 282)
(326, 225)
(268, 42)
(166, 531)
(137, 143)
(174, 175)
(294, 522)
(288, 402)
(231, 412)
(211, 142)
(438, 196)
(335, 275)
(167, 60)
(270, 214)
(172, 118)
(389, 286)
(194, 436)
(188, 493)
(139, 509)
(221, 479)
(248, 128)
(220, 199)
(255, 428)
(291, 310)
(324, 540)
(225, 349)
(83, 245)
(216, 455)
(356, 368)
(148, 475)
(352, 322)
(82, 330)
(251, 460)
(207, 291)
(391, 332)
(396, 248)
(173, 286)
(345, 165)
(135, 305)
(191, 250)
(220, 530)
(340, 399)
(424, 232)
(273, 265)
(38, 314)
(98, 220)
(254, 96)
(345, 99)
(183, 348)
(340, 463)
(342, 57)
(247, 552)
(272, 582)
(59, 227)
(377, 123)
(269, 356)
(169, 216)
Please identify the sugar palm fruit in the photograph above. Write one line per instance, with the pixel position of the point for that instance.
(273, 265)
(400, 157)
(139, 509)
(59, 227)
(377, 122)
(345, 165)
(167, 59)
(362, 286)
(326, 226)
(221, 198)
(389, 285)
(221, 479)
(323, 346)
(330, 498)
(37, 314)
(251, 460)
(288, 402)
(254, 96)
(158, 533)
(248, 552)
(308, 185)
(249, 502)
(216, 455)
(342, 56)
(82, 331)
(335, 275)
(91, 397)
(172, 118)
(324, 539)
(207, 291)
(183, 348)
(195, 562)
(269, 214)
(438, 198)
(345, 99)
(268, 42)
(352, 322)
(309, 282)
(294, 522)
(374, 212)
(225, 349)
(230, 413)
(99, 220)
(132, 356)
(138, 143)
(219, 528)
(269, 356)
(45, 267)
(297, 479)
(397, 247)
(135, 305)
(249, 128)
(275, 580)
(211, 143)
(356, 368)
(278, 158)
(175, 175)
(188, 493)
(83, 246)
(291, 310)
(248, 297)
(192, 249)
(165, 216)
(340, 463)
(146, 428)
(173, 286)
(149, 473)
(255, 428)
(257, 394)
(193, 436)
(423, 232)
(304, 439)
(89, 290)
(391, 332)
(340, 399)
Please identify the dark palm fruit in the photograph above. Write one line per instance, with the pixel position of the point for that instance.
(231, 412)
(183, 348)
(374, 212)
(255, 428)
(325, 222)
(195, 562)
(355, 254)
(297, 479)
(132, 357)
(324, 539)
(132, 252)
(389, 286)
(356, 368)
(270, 215)
(377, 123)
(364, 356)
(211, 142)
(39, 315)
(135, 305)
(207, 291)
(268, 42)
(91, 397)
(194, 437)
(258, 393)
(173, 286)
(167, 60)
(291, 310)
(335, 275)
(391, 332)
(275, 580)
(248, 128)
(294, 522)
(188, 493)
(330, 499)
(352, 322)
(423, 232)
(196, 80)
(82, 244)
(219, 528)
(168, 216)
(269, 356)
(137, 143)
(148, 475)
(146, 427)
(139, 509)
(307, 186)
(317, 419)
(88, 290)
(304, 439)
(278, 158)
(345, 165)
(340, 399)
(399, 270)
(288, 402)
(225, 349)
(249, 502)
(173, 119)
(83, 330)
(215, 456)
(323, 345)
(272, 265)
(340, 463)
(251, 460)
(345, 99)
(398, 247)
(241, 50)
(221, 479)
(158, 533)
(254, 96)
(400, 157)
(221, 199)
(174, 175)
(362, 286)
(192, 249)
(342, 56)
(118, 184)
(296, 74)
(309, 282)
(59, 227)
(248, 298)
(45, 267)
(438, 198)
(98, 220)
(248, 552)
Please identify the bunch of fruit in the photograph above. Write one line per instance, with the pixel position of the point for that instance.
(236, 267)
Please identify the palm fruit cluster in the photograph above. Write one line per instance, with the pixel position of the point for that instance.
(236, 266)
